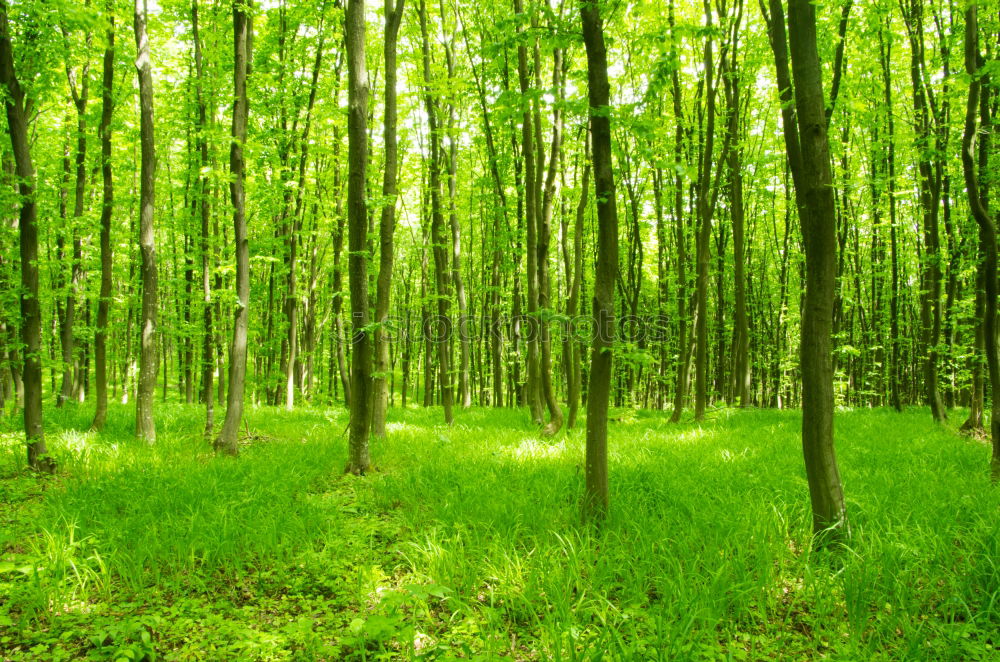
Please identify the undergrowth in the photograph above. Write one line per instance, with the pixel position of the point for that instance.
(465, 542)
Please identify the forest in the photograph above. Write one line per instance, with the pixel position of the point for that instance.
(527, 330)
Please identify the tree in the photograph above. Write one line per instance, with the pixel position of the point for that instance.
(359, 460)
(975, 111)
(595, 500)
(107, 209)
(145, 426)
(204, 203)
(387, 222)
(242, 30)
(808, 153)
(19, 108)
(442, 272)
(79, 94)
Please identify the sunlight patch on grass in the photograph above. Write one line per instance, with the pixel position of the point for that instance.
(536, 448)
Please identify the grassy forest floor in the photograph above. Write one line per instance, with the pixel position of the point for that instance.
(466, 542)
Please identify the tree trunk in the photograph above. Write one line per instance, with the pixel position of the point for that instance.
(145, 427)
(18, 108)
(227, 441)
(542, 262)
(573, 304)
(930, 198)
(387, 222)
(741, 346)
(357, 219)
(442, 275)
(885, 52)
(683, 332)
(204, 204)
(809, 154)
(107, 207)
(528, 148)
(987, 226)
(595, 501)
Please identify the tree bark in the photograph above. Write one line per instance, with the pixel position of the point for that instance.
(573, 303)
(542, 262)
(595, 501)
(204, 204)
(987, 226)
(227, 441)
(107, 207)
(18, 108)
(359, 460)
(387, 222)
(814, 190)
(741, 346)
(145, 427)
(442, 272)
(531, 206)
(930, 198)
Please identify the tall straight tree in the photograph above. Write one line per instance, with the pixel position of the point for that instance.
(18, 108)
(707, 194)
(595, 500)
(228, 437)
(204, 203)
(107, 207)
(442, 272)
(987, 226)
(930, 168)
(145, 427)
(79, 87)
(808, 149)
(387, 222)
(531, 206)
(358, 458)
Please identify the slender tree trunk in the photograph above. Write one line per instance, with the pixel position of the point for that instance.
(885, 53)
(930, 198)
(595, 501)
(204, 204)
(809, 156)
(387, 222)
(79, 93)
(533, 392)
(683, 332)
(741, 346)
(359, 460)
(442, 275)
(542, 262)
(227, 441)
(987, 226)
(573, 304)
(145, 427)
(18, 108)
(107, 207)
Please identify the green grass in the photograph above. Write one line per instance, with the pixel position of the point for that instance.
(466, 542)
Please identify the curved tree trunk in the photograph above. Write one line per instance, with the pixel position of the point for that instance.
(987, 226)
